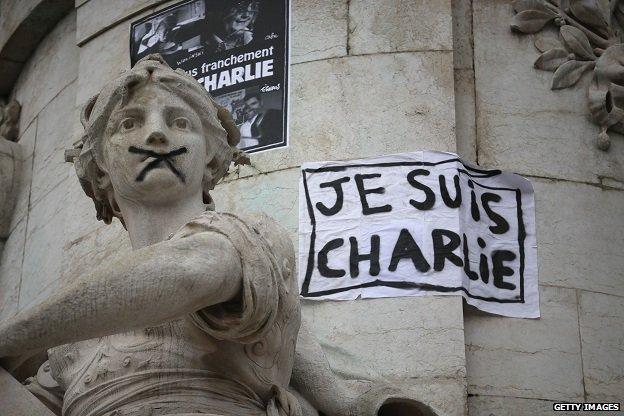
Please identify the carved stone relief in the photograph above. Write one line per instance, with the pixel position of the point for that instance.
(9, 120)
(590, 40)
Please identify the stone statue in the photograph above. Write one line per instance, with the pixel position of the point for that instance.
(203, 316)
(9, 120)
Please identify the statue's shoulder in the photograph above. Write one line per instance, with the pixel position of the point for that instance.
(250, 231)
(252, 219)
(260, 224)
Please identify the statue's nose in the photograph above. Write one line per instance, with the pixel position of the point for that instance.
(156, 138)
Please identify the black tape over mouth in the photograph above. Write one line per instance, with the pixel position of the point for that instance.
(158, 159)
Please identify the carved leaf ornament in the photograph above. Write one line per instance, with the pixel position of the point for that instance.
(590, 39)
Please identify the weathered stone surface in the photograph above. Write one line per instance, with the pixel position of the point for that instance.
(26, 144)
(9, 154)
(509, 65)
(612, 183)
(401, 102)
(86, 242)
(522, 125)
(26, 139)
(41, 269)
(534, 144)
(602, 337)
(54, 135)
(101, 60)
(537, 358)
(503, 406)
(399, 25)
(53, 66)
(318, 30)
(10, 270)
(84, 253)
(83, 242)
(462, 34)
(9, 71)
(96, 16)
(419, 339)
(24, 24)
(577, 242)
(81, 213)
(13, 12)
(275, 194)
(426, 333)
(465, 124)
(15, 400)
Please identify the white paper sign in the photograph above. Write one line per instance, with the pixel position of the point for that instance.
(415, 224)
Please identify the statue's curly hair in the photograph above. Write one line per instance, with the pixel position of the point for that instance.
(218, 126)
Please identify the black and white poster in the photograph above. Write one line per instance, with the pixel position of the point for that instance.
(415, 224)
(237, 49)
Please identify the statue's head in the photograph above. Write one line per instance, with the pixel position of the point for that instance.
(153, 136)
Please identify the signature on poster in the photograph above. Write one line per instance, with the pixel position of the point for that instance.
(268, 88)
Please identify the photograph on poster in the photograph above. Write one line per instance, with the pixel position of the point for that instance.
(172, 32)
(258, 115)
(238, 50)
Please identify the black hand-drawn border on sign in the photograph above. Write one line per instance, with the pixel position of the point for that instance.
(479, 173)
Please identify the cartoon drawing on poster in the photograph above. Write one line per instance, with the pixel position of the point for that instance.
(237, 49)
(415, 224)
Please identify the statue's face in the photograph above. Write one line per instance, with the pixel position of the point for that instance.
(154, 150)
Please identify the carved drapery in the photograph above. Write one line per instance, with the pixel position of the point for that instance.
(590, 39)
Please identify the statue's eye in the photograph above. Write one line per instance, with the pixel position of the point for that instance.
(128, 124)
(181, 123)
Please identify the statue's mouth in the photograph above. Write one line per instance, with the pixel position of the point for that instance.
(159, 158)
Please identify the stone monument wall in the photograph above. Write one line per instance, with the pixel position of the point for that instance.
(506, 109)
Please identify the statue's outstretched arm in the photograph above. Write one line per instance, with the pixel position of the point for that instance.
(146, 287)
